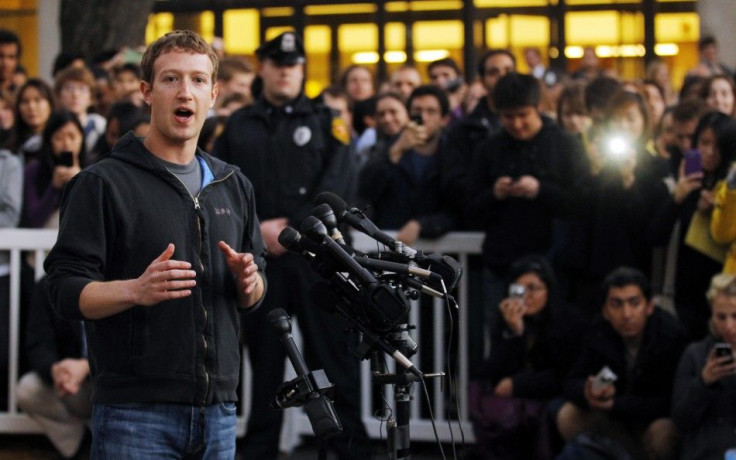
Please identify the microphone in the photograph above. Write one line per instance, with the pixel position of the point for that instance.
(293, 241)
(405, 269)
(316, 231)
(318, 407)
(324, 213)
(358, 221)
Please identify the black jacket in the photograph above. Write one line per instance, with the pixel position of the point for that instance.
(49, 339)
(117, 216)
(516, 227)
(647, 396)
(290, 154)
(395, 194)
(537, 367)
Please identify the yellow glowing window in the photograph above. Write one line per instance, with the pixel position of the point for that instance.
(241, 30)
(599, 2)
(277, 11)
(358, 37)
(497, 32)
(677, 27)
(395, 36)
(341, 9)
(158, 25)
(207, 25)
(317, 39)
(17, 4)
(273, 32)
(599, 27)
(529, 30)
(438, 34)
(510, 3)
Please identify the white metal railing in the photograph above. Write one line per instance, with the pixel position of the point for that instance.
(461, 245)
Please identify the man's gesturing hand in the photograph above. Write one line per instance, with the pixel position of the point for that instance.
(243, 266)
(164, 279)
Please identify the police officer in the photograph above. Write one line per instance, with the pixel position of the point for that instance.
(291, 150)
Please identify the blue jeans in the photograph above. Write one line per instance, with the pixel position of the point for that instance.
(163, 431)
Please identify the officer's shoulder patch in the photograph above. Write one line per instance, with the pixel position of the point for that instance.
(340, 130)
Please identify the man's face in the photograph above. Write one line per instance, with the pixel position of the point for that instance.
(404, 81)
(180, 95)
(340, 105)
(684, 131)
(431, 112)
(359, 84)
(441, 75)
(281, 83)
(391, 116)
(710, 53)
(238, 84)
(76, 97)
(8, 60)
(496, 67)
(125, 83)
(627, 310)
(522, 123)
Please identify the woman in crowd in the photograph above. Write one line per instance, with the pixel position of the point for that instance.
(718, 93)
(123, 117)
(655, 99)
(61, 157)
(391, 117)
(572, 115)
(33, 105)
(533, 348)
(692, 204)
(659, 72)
(704, 392)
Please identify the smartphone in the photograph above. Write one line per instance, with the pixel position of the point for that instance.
(723, 349)
(417, 119)
(692, 162)
(603, 378)
(64, 159)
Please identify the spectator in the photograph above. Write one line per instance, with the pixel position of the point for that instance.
(446, 75)
(126, 83)
(705, 387)
(357, 82)
(709, 63)
(658, 72)
(719, 93)
(7, 119)
(60, 158)
(641, 345)
(534, 62)
(685, 118)
(590, 68)
(74, 88)
(723, 220)
(655, 99)
(691, 205)
(403, 185)
(692, 87)
(33, 106)
(11, 199)
(533, 349)
(231, 103)
(404, 80)
(597, 95)
(364, 124)
(520, 181)
(57, 391)
(664, 138)
(10, 50)
(235, 75)
(391, 117)
(212, 128)
(337, 100)
(572, 115)
(122, 118)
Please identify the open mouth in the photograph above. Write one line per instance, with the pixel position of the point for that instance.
(183, 115)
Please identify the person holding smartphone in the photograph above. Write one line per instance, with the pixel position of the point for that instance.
(705, 382)
(61, 157)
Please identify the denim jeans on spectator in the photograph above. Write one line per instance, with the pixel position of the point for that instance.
(148, 431)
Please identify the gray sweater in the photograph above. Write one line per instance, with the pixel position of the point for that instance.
(11, 197)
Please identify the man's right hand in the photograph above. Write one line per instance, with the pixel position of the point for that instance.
(270, 231)
(502, 188)
(600, 399)
(413, 135)
(716, 368)
(164, 279)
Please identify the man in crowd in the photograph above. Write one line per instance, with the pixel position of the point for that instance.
(403, 185)
(404, 80)
(641, 345)
(292, 149)
(158, 250)
(446, 75)
(9, 56)
(235, 76)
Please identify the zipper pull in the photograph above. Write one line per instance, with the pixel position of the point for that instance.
(196, 203)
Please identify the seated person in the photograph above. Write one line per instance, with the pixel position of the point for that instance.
(57, 391)
(641, 344)
(705, 387)
(533, 348)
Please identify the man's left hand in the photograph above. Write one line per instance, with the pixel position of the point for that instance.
(243, 266)
(409, 233)
(525, 187)
(505, 388)
(68, 375)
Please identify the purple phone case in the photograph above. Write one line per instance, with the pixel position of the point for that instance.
(692, 162)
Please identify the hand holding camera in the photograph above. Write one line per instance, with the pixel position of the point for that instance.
(600, 390)
(413, 135)
(513, 308)
(720, 364)
(64, 169)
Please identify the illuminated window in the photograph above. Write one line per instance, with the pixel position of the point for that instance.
(158, 25)
(241, 30)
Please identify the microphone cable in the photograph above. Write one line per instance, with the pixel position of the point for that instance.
(431, 417)
(450, 381)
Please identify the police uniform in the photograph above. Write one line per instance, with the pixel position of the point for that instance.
(290, 154)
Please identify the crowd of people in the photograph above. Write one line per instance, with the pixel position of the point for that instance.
(608, 207)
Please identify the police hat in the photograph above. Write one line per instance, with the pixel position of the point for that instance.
(286, 49)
